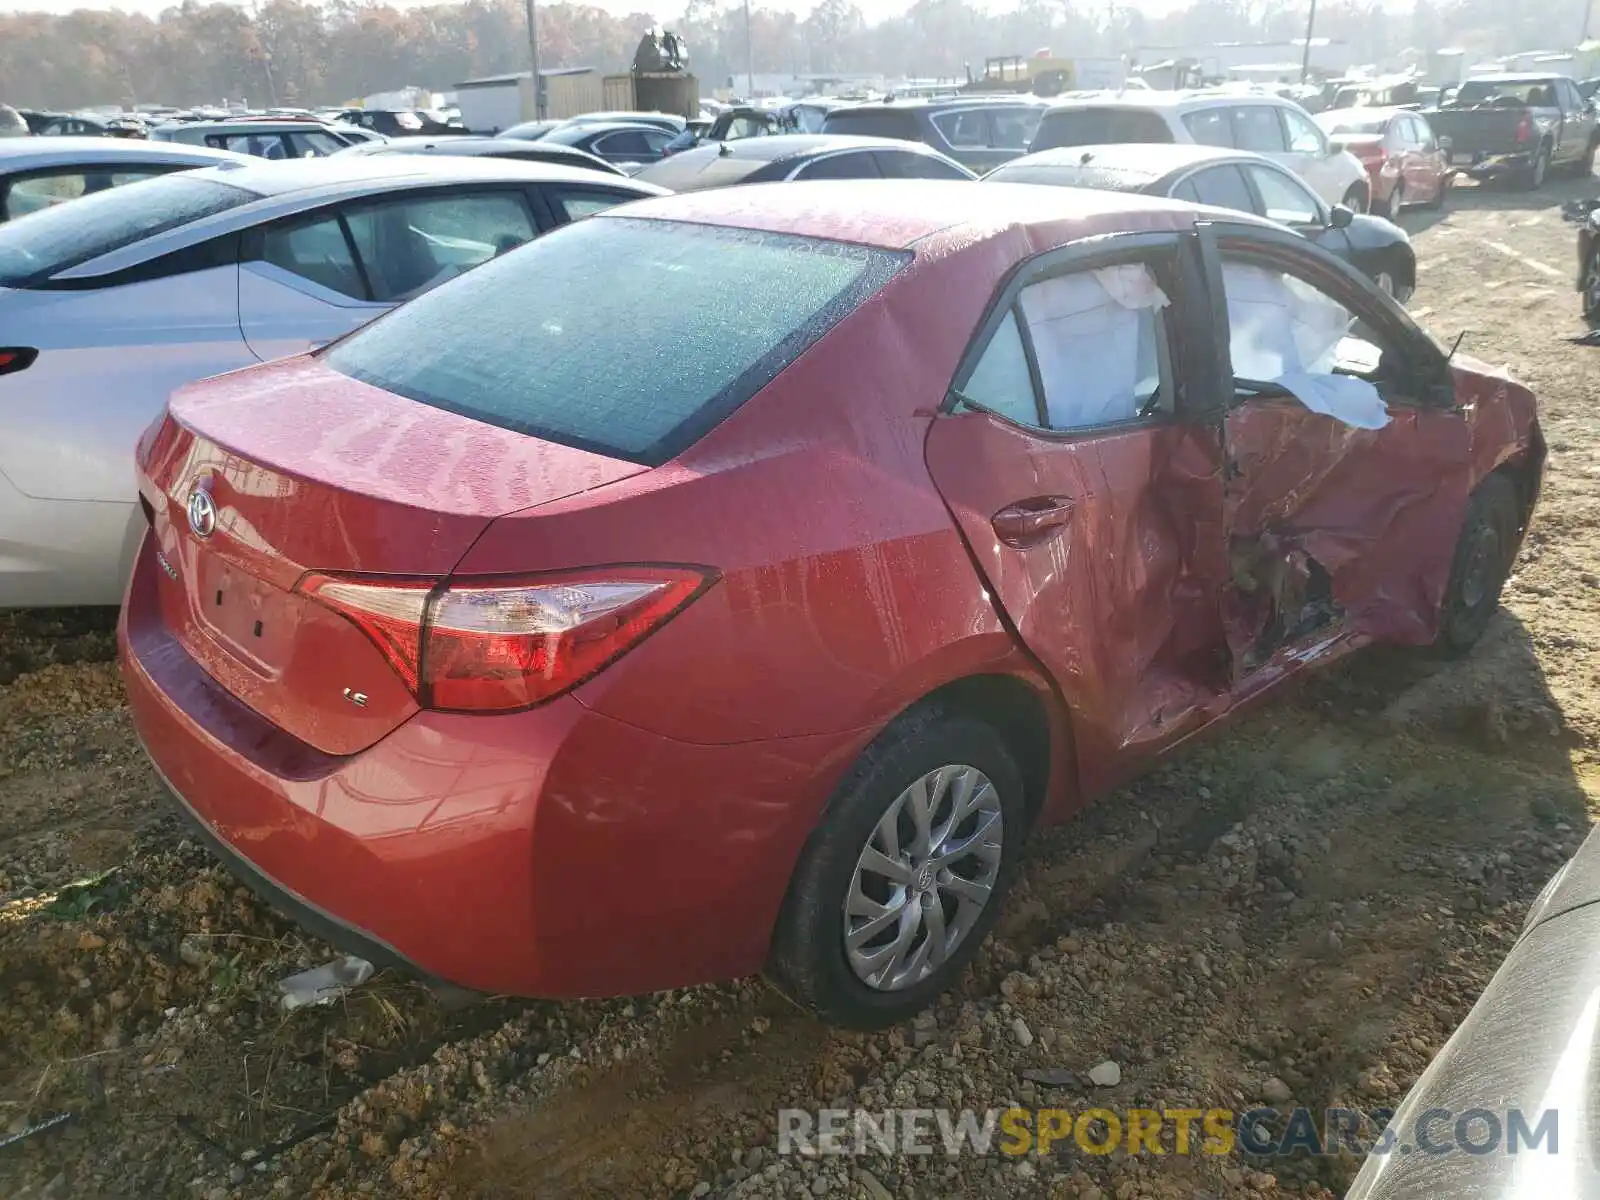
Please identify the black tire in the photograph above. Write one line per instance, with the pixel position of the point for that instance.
(1396, 202)
(1591, 288)
(1490, 535)
(1356, 199)
(1442, 195)
(809, 961)
(1533, 178)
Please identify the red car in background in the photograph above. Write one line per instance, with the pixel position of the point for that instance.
(1405, 162)
(731, 581)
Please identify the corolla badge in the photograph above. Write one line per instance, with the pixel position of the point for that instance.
(202, 512)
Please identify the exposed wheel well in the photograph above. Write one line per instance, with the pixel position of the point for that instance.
(1015, 711)
(1524, 476)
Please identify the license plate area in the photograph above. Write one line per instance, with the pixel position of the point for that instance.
(251, 619)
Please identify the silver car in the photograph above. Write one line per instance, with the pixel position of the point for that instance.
(109, 303)
(39, 173)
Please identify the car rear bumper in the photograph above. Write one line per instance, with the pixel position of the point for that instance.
(554, 852)
(56, 552)
(1486, 166)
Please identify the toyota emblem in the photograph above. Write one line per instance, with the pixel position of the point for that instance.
(202, 512)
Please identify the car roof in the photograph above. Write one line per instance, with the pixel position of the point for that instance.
(1517, 77)
(19, 154)
(722, 164)
(780, 146)
(560, 136)
(248, 124)
(288, 186)
(338, 173)
(1171, 101)
(896, 214)
(940, 104)
(1152, 161)
(1367, 112)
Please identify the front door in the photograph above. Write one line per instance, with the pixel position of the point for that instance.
(1348, 466)
(1091, 504)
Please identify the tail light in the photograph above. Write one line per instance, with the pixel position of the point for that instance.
(504, 644)
(16, 358)
(1369, 151)
(1525, 128)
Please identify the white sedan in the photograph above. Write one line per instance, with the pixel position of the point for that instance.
(109, 303)
(38, 173)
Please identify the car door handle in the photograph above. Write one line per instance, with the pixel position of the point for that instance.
(1029, 522)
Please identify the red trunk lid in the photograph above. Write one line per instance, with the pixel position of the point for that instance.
(309, 470)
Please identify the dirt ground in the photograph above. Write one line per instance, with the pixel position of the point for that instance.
(1302, 908)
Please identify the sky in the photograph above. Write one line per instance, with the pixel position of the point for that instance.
(875, 10)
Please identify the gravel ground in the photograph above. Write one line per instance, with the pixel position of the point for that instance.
(1299, 911)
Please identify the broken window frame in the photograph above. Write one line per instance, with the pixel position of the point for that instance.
(1420, 377)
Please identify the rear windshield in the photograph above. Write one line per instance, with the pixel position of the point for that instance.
(873, 123)
(39, 245)
(1099, 127)
(1533, 93)
(630, 338)
(1356, 125)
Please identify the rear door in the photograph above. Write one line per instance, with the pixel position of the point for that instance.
(1089, 498)
(1338, 519)
(311, 278)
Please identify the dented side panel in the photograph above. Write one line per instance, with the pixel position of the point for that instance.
(1373, 513)
(1120, 603)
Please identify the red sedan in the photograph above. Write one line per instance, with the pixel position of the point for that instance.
(1406, 164)
(732, 582)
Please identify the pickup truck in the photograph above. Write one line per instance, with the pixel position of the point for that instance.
(1522, 126)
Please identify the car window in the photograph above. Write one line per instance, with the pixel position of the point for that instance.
(1210, 127)
(66, 235)
(135, 174)
(905, 164)
(530, 342)
(1304, 136)
(1223, 187)
(1013, 128)
(873, 123)
(622, 143)
(1100, 127)
(1284, 198)
(1281, 327)
(965, 130)
(315, 250)
(1423, 132)
(1001, 381)
(313, 143)
(411, 244)
(860, 165)
(575, 204)
(30, 194)
(1098, 340)
(1256, 127)
(747, 127)
(261, 145)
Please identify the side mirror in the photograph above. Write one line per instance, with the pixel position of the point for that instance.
(1445, 144)
(1340, 217)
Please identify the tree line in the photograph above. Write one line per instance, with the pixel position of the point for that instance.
(287, 52)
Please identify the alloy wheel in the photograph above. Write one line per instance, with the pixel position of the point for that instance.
(924, 877)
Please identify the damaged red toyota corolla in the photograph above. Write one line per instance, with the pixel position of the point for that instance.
(732, 583)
